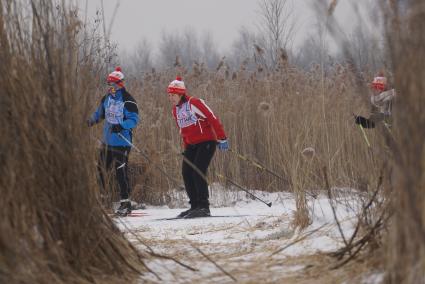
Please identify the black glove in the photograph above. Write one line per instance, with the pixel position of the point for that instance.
(90, 122)
(116, 128)
(364, 122)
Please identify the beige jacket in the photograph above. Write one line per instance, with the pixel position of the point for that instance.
(382, 103)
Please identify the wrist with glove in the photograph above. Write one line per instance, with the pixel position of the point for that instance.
(116, 128)
(364, 122)
(90, 122)
(223, 144)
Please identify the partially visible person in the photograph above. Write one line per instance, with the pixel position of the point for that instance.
(120, 113)
(201, 131)
(381, 100)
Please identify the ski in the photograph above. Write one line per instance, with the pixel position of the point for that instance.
(213, 216)
(133, 214)
(137, 214)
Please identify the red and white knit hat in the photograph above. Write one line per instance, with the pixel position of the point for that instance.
(177, 87)
(379, 83)
(116, 77)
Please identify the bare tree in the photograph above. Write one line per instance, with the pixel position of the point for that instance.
(242, 48)
(315, 49)
(169, 49)
(139, 60)
(365, 49)
(277, 25)
(209, 52)
(184, 45)
(190, 51)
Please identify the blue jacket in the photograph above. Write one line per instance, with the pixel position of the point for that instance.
(118, 109)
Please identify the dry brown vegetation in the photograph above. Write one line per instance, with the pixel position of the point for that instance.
(270, 118)
(52, 229)
(297, 123)
(406, 247)
(274, 117)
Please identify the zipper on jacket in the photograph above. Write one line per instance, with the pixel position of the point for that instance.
(192, 112)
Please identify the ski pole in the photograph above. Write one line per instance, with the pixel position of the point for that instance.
(387, 126)
(258, 165)
(366, 122)
(193, 166)
(364, 135)
(150, 161)
(241, 187)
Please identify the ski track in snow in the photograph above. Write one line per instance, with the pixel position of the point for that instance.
(242, 246)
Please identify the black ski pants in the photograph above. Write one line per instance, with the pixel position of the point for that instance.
(196, 186)
(117, 157)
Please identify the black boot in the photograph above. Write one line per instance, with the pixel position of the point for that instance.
(184, 213)
(198, 212)
(124, 209)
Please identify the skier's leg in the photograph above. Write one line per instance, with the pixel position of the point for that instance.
(121, 167)
(121, 170)
(187, 172)
(204, 154)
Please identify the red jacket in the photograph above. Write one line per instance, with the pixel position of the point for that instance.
(197, 122)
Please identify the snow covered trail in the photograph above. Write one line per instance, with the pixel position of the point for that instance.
(258, 246)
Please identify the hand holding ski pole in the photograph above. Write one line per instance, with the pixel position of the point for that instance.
(223, 145)
(363, 123)
(116, 128)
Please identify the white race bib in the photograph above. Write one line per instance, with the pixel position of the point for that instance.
(114, 111)
(185, 116)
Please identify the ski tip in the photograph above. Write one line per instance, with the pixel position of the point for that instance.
(269, 204)
(135, 214)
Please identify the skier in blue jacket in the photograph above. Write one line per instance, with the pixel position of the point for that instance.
(120, 113)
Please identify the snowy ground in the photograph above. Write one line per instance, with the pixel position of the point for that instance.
(257, 245)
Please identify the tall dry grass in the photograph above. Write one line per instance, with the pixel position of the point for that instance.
(269, 117)
(52, 227)
(406, 246)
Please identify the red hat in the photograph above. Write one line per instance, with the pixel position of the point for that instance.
(177, 87)
(116, 77)
(379, 83)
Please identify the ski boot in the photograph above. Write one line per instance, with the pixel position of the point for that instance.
(197, 213)
(124, 209)
(184, 213)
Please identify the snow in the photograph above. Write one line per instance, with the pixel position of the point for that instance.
(377, 277)
(254, 241)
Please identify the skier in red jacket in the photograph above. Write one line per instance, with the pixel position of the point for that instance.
(201, 131)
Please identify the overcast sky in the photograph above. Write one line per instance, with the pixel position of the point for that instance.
(138, 19)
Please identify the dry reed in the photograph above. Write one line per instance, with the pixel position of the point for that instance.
(406, 38)
(270, 118)
(52, 227)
